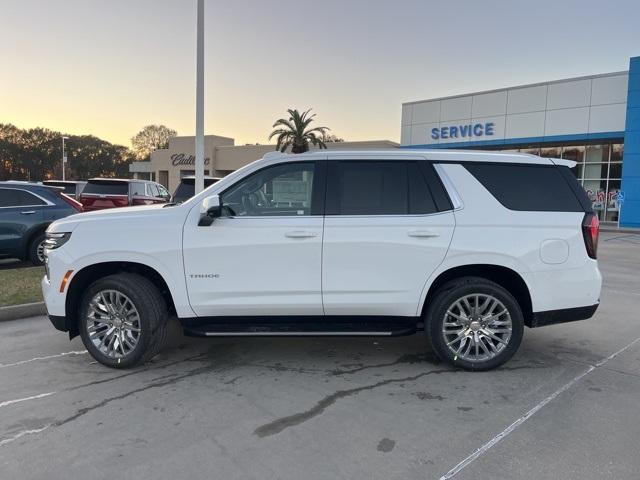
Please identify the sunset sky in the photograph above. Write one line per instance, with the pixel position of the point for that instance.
(108, 68)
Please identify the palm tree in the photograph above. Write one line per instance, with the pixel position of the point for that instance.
(295, 133)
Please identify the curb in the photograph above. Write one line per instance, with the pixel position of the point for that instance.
(15, 312)
(619, 230)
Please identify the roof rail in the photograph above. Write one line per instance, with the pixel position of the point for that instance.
(276, 154)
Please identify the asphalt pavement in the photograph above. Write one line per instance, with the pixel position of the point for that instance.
(566, 406)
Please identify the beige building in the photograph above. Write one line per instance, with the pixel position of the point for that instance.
(168, 166)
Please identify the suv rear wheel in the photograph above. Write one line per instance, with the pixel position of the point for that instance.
(474, 323)
(122, 320)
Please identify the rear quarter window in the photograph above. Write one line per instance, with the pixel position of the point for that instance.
(536, 188)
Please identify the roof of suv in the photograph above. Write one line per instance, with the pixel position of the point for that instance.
(29, 185)
(437, 155)
(117, 180)
(62, 182)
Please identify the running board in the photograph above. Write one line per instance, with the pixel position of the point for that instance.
(299, 326)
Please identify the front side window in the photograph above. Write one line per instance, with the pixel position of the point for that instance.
(280, 190)
(152, 190)
(162, 191)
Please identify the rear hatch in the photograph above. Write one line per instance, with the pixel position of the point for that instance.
(102, 193)
(68, 187)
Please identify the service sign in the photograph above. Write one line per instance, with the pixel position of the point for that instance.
(463, 131)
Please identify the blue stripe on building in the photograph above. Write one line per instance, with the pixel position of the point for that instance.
(524, 141)
(630, 215)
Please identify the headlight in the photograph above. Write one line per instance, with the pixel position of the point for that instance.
(56, 240)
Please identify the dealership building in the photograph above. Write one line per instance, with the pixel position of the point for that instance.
(222, 156)
(593, 120)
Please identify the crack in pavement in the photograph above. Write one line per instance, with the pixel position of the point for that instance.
(280, 424)
(135, 372)
(157, 384)
(409, 358)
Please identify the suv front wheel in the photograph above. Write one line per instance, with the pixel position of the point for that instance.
(122, 320)
(474, 323)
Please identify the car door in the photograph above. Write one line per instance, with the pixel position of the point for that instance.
(263, 256)
(385, 232)
(20, 212)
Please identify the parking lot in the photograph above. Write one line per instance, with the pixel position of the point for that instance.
(566, 406)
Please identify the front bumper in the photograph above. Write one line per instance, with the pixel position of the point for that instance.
(564, 315)
(60, 323)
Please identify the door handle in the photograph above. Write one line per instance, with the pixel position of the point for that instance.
(28, 212)
(300, 234)
(423, 233)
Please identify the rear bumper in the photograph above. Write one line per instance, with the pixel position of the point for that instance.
(564, 315)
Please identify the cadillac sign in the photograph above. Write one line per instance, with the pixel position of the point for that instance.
(183, 159)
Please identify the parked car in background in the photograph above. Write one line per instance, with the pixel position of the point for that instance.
(73, 188)
(26, 210)
(187, 188)
(101, 193)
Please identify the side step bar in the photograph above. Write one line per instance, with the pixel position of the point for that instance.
(298, 326)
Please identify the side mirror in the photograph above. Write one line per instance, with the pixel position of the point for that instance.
(209, 210)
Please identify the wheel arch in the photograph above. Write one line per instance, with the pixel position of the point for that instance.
(30, 236)
(506, 277)
(89, 274)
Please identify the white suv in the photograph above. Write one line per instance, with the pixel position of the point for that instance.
(468, 247)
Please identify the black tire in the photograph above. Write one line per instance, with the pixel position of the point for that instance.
(456, 289)
(32, 252)
(152, 311)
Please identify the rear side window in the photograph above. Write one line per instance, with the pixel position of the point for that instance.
(363, 187)
(138, 189)
(107, 188)
(535, 188)
(18, 198)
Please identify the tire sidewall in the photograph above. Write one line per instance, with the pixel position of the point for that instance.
(138, 301)
(456, 290)
(33, 249)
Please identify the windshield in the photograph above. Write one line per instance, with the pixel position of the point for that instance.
(186, 189)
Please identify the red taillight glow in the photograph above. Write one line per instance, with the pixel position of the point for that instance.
(71, 201)
(590, 232)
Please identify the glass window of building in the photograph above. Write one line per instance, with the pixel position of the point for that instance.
(553, 152)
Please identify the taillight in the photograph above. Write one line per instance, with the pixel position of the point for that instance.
(590, 231)
(73, 202)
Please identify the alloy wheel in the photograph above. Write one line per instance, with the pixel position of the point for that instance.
(113, 323)
(40, 251)
(477, 327)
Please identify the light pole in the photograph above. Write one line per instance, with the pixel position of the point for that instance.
(64, 156)
(199, 162)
